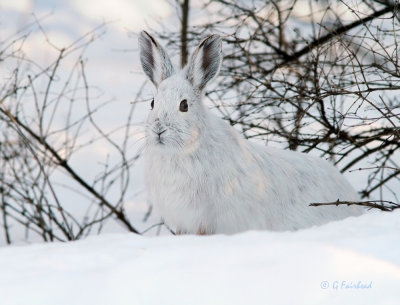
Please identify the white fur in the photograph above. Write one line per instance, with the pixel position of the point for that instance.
(203, 177)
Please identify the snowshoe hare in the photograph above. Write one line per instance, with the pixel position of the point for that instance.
(204, 178)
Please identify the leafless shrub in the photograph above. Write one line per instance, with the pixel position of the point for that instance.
(45, 115)
(319, 77)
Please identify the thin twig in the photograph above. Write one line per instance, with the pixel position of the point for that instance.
(383, 205)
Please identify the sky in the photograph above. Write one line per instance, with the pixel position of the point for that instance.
(66, 21)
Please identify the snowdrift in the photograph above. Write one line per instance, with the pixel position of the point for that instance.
(354, 261)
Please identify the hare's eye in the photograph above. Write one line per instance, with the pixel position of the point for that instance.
(183, 106)
(152, 104)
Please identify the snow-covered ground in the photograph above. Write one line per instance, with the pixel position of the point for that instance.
(320, 265)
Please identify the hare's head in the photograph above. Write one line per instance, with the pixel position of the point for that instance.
(178, 118)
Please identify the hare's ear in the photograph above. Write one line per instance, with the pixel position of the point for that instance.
(155, 61)
(205, 62)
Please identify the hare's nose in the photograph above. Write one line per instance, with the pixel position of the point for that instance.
(160, 133)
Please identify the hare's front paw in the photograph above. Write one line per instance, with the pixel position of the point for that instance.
(200, 231)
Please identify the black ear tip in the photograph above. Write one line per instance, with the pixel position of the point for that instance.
(213, 38)
(145, 35)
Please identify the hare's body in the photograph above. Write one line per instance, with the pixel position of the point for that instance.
(203, 177)
(230, 185)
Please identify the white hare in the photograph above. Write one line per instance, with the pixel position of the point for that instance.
(204, 178)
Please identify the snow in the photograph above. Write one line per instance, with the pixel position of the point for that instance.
(249, 268)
